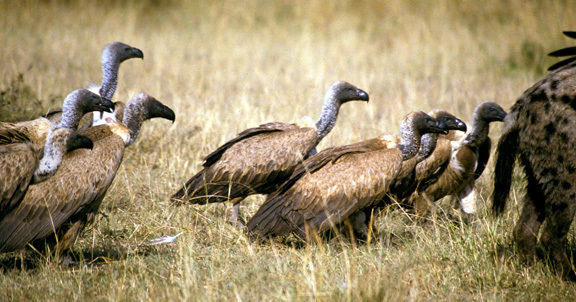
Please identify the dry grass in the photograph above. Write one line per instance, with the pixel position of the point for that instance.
(227, 66)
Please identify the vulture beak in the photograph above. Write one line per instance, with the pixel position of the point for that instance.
(105, 105)
(460, 125)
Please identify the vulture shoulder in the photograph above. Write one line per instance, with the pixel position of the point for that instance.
(34, 131)
(258, 152)
(428, 171)
(244, 137)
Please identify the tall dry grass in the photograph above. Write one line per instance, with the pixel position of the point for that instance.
(230, 65)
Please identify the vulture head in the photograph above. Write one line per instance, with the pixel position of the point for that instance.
(452, 122)
(423, 123)
(80, 102)
(143, 107)
(489, 112)
(344, 92)
(119, 52)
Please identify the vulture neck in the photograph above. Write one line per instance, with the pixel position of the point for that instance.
(133, 121)
(427, 146)
(478, 134)
(71, 115)
(329, 114)
(110, 68)
(54, 151)
(410, 142)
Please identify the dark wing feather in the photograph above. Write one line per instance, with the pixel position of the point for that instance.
(75, 190)
(329, 155)
(328, 196)
(258, 163)
(17, 165)
(211, 158)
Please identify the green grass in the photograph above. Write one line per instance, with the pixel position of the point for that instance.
(228, 66)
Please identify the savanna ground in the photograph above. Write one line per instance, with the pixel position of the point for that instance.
(230, 65)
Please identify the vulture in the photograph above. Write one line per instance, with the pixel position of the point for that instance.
(259, 159)
(56, 211)
(341, 182)
(468, 158)
(112, 56)
(435, 163)
(32, 151)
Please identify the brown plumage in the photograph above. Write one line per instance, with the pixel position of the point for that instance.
(259, 159)
(468, 158)
(58, 209)
(434, 149)
(539, 134)
(32, 151)
(340, 182)
(435, 163)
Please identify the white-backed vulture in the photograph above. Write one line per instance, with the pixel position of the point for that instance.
(113, 55)
(32, 151)
(259, 159)
(57, 210)
(341, 181)
(539, 135)
(468, 159)
(435, 163)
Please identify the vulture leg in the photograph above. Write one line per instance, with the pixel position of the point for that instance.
(233, 219)
(467, 198)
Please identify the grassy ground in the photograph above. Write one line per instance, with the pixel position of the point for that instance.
(231, 65)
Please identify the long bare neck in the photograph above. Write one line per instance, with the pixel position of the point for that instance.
(110, 69)
(329, 115)
(427, 145)
(133, 121)
(54, 151)
(71, 115)
(479, 132)
(410, 142)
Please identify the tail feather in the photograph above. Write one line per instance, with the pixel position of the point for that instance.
(198, 191)
(268, 220)
(506, 154)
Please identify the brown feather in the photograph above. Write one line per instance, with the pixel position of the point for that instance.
(328, 188)
(74, 192)
(247, 164)
(58, 209)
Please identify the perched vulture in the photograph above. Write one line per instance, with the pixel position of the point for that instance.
(259, 159)
(57, 210)
(32, 151)
(341, 182)
(469, 157)
(112, 56)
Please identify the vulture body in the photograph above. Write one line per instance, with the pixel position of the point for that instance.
(341, 182)
(435, 163)
(259, 159)
(468, 160)
(32, 151)
(57, 210)
(113, 55)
